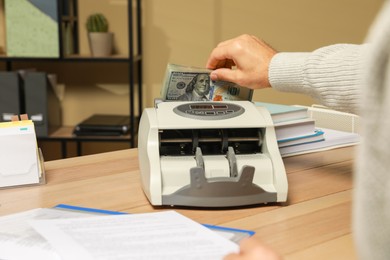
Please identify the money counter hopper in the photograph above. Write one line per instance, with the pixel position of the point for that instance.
(210, 154)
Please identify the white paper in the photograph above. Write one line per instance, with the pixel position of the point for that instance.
(333, 139)
(18, 155)
(18, 240)
(162, 235)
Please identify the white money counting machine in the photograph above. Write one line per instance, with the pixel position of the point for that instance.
(210, 154)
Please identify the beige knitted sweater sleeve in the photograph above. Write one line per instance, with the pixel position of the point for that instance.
(331, 75)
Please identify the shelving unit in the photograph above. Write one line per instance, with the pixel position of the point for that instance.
(64, 135)
(134, 61)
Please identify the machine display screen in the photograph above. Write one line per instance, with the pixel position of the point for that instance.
(201, 106)
(209, 110)
(220, 106)
(206, 106)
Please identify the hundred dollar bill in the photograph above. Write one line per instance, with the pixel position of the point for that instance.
(184, 83)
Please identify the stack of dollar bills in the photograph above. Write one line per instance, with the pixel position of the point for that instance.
(185, 83)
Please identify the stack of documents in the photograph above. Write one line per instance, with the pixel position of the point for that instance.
(21, 162)
(332, 139)
(298, 133)
(293, 126)
(68, 232)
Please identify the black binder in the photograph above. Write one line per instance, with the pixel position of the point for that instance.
(103, 125)
(11, 95)
(42, 105)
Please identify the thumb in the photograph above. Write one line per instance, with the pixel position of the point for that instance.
(224, 74)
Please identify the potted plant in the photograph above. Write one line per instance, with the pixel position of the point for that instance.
(100, 39)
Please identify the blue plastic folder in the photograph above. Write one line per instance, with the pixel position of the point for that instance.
(234, 234)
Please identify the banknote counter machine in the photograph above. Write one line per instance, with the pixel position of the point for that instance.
(210, 154)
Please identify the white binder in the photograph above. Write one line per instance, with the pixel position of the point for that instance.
(21, 161)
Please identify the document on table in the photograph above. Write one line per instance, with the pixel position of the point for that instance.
(18, 240)
(162, 235)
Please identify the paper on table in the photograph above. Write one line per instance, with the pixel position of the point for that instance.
(333, 139)
(18, 240)
(18, 154)
(162, 235)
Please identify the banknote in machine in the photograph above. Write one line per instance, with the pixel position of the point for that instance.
(177, 83)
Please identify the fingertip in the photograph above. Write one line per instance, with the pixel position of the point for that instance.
(223, 74)
(214, 75)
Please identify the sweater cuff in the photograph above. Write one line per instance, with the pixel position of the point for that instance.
(286, 71)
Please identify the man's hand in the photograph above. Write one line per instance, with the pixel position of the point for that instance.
(250, 56)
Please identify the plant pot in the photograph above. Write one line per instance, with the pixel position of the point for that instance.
(100, 43)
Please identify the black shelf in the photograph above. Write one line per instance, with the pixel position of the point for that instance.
(73, 58)
(67, 13)
(64, 135)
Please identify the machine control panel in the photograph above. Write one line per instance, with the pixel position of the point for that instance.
(209, 110)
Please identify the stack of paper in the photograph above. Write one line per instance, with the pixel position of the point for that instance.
(283, 113)
(20, 158)
(69, 232)
(297, 132)
(293, 126)
(332, 139)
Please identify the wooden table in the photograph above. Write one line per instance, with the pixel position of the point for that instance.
(315, 222)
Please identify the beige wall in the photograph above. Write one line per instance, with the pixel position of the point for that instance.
(185, 31)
